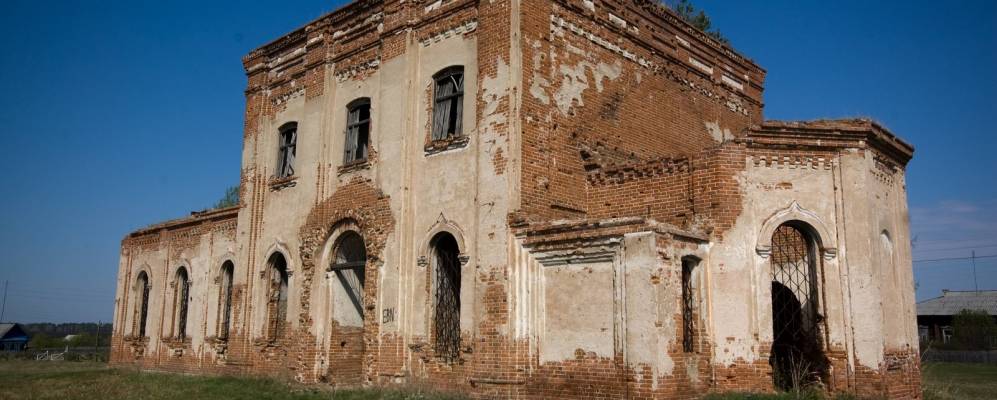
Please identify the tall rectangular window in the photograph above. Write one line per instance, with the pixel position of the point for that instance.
(143, 305)
(688, 305)
(183, 301)
(448, 102)
(286, 153)
(357, 131)
(225, 299)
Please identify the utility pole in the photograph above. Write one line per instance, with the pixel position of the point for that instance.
(975, 285)
(96, 342)
(4, 306)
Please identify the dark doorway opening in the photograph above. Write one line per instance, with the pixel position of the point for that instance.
(798, 358)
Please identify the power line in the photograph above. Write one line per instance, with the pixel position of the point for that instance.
(957, 248)
(4, 307)
(59, 293)
(918, 241)
(974, 272)
(956, 258)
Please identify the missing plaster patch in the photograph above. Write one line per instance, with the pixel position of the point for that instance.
(718, 135)
(574, 82)
(538, 88)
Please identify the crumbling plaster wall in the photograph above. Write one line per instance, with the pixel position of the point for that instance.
(771, 193)
(605, 310)
(201, 249)
(428, 192)
(882, 284)
(840, 196)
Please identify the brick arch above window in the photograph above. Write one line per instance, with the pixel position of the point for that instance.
(442, 225)
(807, 220)
(367, 208)
(280, 247)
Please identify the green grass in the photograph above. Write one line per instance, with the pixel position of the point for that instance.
(939, 381)
(89, 380)
(804, 395)
(944, 381)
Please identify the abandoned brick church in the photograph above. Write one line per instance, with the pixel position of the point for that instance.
(535, 199)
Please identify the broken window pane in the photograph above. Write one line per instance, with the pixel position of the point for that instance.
(448, 103)
(349, 267)
(288, 145)
(357, 131)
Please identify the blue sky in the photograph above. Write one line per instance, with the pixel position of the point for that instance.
(117, 114)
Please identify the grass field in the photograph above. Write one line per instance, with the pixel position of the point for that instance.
(88, 380)
(31, 380)
(945, 381)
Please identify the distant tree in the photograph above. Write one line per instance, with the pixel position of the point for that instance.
(43, 341)
(972, 329)
(230, 199)
(698, 18)
(52, 335)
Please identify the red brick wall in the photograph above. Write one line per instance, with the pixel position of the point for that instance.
(656, 106)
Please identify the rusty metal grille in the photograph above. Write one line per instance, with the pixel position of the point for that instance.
(447, 300)
(797, 351)
(183, 291)
(688, 302)
(144, 307)
(793, 273)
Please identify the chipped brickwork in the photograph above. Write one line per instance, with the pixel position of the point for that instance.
(604, 141)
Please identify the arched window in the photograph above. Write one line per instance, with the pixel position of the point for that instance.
(142, 305)
(446, 296)
(357, 131)
(225, 299)
(448, 103)
(688, 303)
(287, 150)
(884, 238)
(182, 298)
(349, 267)
(277, 296)
(796, 315)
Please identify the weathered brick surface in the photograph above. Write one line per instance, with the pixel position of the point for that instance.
(596, 122)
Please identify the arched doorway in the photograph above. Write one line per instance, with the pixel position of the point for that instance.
(276, 296)
(349, 267)
(797, 350)
(348, 313)
(142, 287)
(446, 296)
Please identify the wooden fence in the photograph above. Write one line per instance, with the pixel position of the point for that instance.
(963, 356)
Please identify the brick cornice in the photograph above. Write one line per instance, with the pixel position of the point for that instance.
(824, 134)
